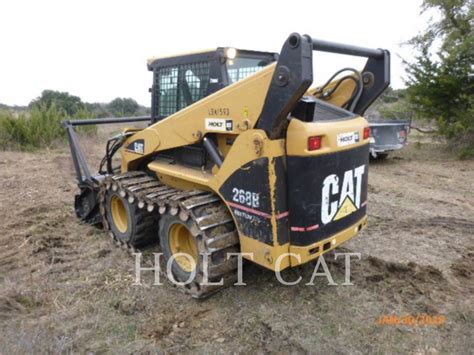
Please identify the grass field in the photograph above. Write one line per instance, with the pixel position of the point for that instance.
(64, 287)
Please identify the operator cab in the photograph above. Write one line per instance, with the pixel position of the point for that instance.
(180, 81)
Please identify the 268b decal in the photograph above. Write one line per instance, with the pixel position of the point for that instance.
(244, 197)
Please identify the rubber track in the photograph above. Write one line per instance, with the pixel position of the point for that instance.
(212, 225)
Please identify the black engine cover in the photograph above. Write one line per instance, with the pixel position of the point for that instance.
(326, 193)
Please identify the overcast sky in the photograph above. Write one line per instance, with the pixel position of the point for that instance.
(98, 49)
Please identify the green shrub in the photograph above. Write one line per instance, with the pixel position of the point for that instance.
(39, 128)
(440, 80)
(63, 100)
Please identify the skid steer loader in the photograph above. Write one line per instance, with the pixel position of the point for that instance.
(240, 155)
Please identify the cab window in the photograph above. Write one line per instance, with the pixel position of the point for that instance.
(181, 86)
(241, 67)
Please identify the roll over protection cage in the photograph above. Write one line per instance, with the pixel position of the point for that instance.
(294, 75)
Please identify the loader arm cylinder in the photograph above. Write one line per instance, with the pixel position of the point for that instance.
(213, 151)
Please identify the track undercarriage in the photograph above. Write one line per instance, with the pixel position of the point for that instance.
(200, 212)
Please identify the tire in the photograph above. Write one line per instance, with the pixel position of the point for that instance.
(379, 156)
(212, 233)
(166, 225)
(140, 227)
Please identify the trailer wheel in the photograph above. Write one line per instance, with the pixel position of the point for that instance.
(381, 156)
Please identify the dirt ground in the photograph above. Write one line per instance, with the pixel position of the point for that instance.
(64, 287)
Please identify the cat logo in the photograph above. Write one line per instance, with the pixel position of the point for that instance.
(339, 201)
(137, 147)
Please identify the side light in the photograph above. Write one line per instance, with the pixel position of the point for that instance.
(366, 132)
(314, 143)
(231, 53)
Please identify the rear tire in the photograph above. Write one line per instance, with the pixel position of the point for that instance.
(208, 235)
(170, 231)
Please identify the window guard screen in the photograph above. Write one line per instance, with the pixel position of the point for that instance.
(180, 86)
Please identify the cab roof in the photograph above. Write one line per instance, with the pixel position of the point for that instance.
(220, 51)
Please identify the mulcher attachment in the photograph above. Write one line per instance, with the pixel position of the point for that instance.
(86, 203)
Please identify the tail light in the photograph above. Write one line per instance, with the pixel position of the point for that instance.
(314, 143)
(402, 136)
(366, 132)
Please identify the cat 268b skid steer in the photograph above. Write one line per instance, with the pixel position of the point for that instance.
(240, 155)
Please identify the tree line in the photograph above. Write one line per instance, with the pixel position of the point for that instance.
(439, 81)
(71, 104)
(39, 125)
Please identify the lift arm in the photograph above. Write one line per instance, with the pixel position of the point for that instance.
(294, 75)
